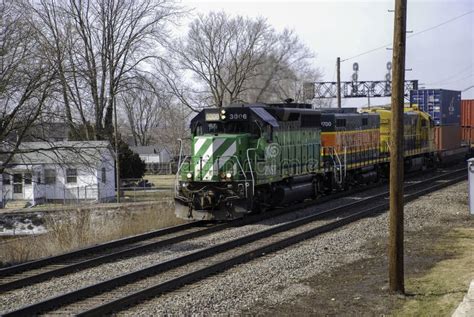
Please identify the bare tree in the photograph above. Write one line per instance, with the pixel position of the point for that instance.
(174, 125)
(237, 59)
(25, 79)
(144, 106)
(281, 76)
(100, 48)
(222, 53)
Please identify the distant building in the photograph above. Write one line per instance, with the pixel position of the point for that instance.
(152, 153)
(59, 172)
(157, 159)
(42, 132)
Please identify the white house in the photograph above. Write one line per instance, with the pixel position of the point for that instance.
(152, 154)
(60, 171)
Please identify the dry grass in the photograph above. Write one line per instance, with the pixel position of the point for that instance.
(146, 195)
(440, 291)
(74, 229)
(161, 180)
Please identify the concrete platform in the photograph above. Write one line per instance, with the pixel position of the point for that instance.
(466, 308)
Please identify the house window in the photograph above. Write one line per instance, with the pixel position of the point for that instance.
(27, 178)
(71, 175)
(49, 176)
(17, 178)
(17, 188)
(6, 179)
(104, 175)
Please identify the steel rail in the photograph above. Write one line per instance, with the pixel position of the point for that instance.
(96, 248)
(89, 291)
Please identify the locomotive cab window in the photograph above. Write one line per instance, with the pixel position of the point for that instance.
(341, 122)
(213, 127)
(198, 130)
(365, 121)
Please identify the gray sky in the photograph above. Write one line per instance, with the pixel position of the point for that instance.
(440, 58)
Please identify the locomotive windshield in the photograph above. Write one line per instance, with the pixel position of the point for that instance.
(230, 127)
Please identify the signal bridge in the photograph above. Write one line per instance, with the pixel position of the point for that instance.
(354, 89)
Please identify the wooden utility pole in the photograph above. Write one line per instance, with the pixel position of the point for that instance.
(396, 272)
(117, 153)
(338, 69)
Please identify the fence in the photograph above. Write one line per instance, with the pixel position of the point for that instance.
(81, 193)
(139, 189)
(139, 194)
(161, 168)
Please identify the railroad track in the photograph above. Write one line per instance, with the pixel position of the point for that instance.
(128, 289)
(37, 271)
(29, 273)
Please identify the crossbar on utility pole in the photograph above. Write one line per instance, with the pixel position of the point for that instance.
(396, 270)
(338, 69)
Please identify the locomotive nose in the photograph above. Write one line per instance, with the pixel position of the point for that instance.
(213, 156)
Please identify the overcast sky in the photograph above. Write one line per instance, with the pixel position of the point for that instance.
(440, 58)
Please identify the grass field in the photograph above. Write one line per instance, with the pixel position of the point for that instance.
(161, 180)
(439, 292)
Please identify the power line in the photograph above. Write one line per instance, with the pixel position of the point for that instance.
(449, 78)
(456, 80)
(412, 35)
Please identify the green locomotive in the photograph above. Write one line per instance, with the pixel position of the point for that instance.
(251, 157)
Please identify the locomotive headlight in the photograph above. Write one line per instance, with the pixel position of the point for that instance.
(222, 116)
(189, 175)
(223, 111)
(228, 175)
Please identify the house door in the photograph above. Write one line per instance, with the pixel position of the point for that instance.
(17, 186)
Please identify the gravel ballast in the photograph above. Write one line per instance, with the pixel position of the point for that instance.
(37, 292)
(272, 279)
(280, 277)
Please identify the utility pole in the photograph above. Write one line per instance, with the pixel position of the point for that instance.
(338, 69)
(396, 270)
(117, 160)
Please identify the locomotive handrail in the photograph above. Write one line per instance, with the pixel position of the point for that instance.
(340, 166)
(242, 170)
(250, 165)
(176, 183)
(388, 146)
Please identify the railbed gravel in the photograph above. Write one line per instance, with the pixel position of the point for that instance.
(31, 294)
(279, 277)
(24, 296)
(15, 299)
(153, 280)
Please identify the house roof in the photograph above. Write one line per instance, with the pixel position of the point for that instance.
(63, 152)
(149, 149)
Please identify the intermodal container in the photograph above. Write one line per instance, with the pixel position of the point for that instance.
(467, 135)
(448, 137)
(467, 113)
(444, 106)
